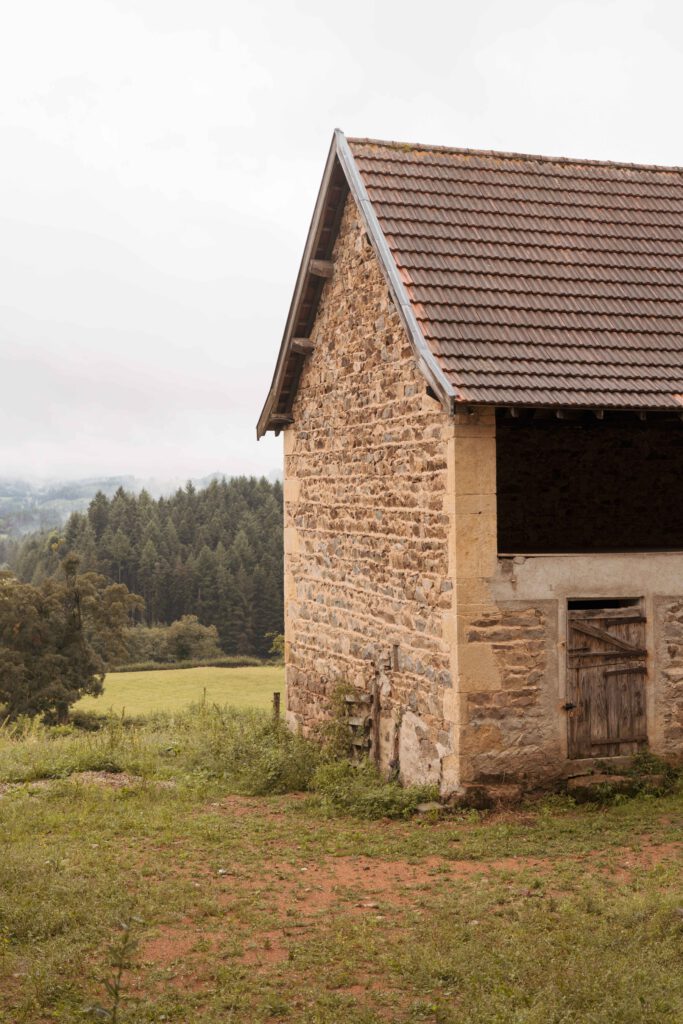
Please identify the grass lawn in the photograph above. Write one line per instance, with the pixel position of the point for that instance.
(268, 910)
(141, 693)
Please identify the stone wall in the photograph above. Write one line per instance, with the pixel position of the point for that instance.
(669, 653)
(368, 520)
(509, 723)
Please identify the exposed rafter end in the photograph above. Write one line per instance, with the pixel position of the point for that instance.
(321, 268)
(513, 411)
(599, 414)
(303, 346)
(642, 415)
(281, 419)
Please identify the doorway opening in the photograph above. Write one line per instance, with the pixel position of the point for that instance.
(606, 673)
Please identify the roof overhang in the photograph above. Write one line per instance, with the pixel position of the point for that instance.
(340, 177)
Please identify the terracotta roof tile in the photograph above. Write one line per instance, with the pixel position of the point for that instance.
(538, 281)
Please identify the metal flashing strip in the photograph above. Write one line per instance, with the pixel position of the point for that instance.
(425, 357)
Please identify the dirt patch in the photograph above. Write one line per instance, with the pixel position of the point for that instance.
(170, 945)
(365, 884)
(268, 949)
(297, 899)
(181, 952)
(11, 787)
(247, 807)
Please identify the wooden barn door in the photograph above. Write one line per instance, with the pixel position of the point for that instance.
(606, 669)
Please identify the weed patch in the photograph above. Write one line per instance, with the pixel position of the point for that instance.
(252, 751)
(360, 790)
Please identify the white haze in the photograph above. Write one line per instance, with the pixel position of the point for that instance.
(160, 160)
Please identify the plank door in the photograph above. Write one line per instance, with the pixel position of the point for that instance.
(606, 671)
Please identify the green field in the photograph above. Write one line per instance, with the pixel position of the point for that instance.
(139, 693)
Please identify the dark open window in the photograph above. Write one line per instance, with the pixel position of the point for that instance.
(588, 604)
(585, 484)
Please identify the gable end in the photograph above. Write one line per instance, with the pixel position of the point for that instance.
(340, 177)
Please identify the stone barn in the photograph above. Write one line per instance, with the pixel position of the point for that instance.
(480, 389)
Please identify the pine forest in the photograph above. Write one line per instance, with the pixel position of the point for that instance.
(215, 553)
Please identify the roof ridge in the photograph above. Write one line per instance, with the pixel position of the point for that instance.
(505, 155)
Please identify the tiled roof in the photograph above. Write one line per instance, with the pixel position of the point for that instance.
(537, 281)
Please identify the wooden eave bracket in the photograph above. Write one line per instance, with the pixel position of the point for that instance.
(302, 346)
(321, 268)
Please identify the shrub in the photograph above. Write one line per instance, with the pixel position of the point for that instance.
(247, 752)
(184, 640)
(188, 638)
(277, 647)
(225, 661)
(56, 637)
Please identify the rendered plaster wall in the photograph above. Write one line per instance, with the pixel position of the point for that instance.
(511, 630)
(368, 523)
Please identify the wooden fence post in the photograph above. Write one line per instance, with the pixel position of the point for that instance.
(276, 706)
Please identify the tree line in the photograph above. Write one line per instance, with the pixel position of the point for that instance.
(215, 553)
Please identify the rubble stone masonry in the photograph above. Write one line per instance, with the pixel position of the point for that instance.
(367, 522)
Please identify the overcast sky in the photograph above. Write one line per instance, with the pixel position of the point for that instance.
(159, 164)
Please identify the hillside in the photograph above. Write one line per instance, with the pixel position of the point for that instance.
(214, 552)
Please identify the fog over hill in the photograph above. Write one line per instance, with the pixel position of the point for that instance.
(38, 504)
